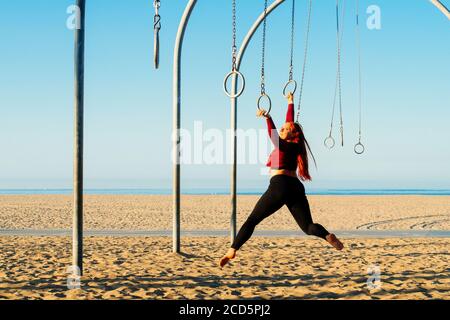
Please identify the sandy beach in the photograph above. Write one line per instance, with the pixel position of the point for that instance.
(145, 268)
(213, 212)
(266, 268)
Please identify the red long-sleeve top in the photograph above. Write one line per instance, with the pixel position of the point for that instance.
(285, 154)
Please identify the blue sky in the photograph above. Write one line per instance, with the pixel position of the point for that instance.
(128, 115)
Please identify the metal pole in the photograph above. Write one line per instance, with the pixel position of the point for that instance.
(441, 7)
(177, 123)
(77, 232)
(248, 37)
(233, 220)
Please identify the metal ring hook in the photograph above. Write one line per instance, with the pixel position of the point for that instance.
(359, 148)
(157, 4)
(239, 75)
(157, 28)
(287, 85)
(329, 142)
(264, 95)
(157, 22)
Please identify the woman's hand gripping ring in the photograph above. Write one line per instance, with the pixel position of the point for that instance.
(259, 104)
(285, 91)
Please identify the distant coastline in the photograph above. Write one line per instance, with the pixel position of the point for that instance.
(343, 192)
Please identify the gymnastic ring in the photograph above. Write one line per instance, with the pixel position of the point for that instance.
(359, 148)
(239, 75)
(329, 142)
(287, 85)
(268, 99)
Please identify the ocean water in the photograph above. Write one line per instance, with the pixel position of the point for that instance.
(343, 192)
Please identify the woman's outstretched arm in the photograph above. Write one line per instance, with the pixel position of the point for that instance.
(290, 110)
(273, 133)
(271, 128)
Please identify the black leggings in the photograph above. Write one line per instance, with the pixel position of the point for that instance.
(283, 190)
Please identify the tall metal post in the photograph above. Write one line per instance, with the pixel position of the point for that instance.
(248, 37)
(233, 185)
(177, 123)
(77, 230)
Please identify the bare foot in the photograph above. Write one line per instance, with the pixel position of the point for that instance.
(231, 254)
(334, 241)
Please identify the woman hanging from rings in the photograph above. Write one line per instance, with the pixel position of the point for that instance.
(289, 166)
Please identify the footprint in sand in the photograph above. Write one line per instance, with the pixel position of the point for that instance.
(418, 222)
(159, 293)
(119, 262)
(235, 293)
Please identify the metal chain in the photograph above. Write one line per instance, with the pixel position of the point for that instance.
(334, 106)
(308, 29)
(234, 47)
(157, 19)
(291, 67)
(157, 4)
(263, 83)
(339, 73)
(358, 44)
(337, 89)
(234, 74)
(157, 28)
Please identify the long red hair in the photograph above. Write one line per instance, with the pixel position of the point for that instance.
(297, 136)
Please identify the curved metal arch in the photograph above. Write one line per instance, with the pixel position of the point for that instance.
(253, 29)
(177, 120)
(177, 123)
(240, 56)
(441, 7)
